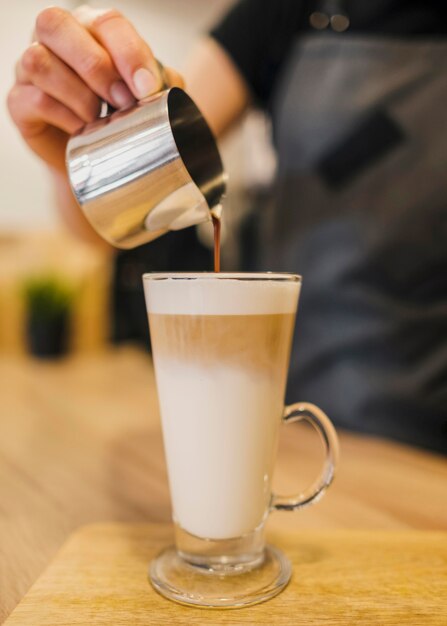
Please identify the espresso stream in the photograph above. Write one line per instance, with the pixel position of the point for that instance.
(216, 225)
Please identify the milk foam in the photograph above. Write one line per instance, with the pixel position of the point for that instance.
(222, 294)
(220, 429)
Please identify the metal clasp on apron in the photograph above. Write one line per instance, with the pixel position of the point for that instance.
(330, 12)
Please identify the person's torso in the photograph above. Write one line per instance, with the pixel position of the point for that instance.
(360, 209)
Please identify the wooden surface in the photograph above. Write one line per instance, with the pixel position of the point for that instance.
(81, 443)
(391, 578)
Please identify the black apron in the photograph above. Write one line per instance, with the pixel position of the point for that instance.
(360, 210)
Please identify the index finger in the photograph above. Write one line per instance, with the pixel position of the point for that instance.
(61, 33)
(131, 55)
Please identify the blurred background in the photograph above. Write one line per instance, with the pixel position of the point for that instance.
(41, 265)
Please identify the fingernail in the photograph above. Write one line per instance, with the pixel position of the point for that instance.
(144, 82)
(120, 94)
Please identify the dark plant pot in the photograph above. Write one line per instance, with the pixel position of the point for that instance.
(48, 336)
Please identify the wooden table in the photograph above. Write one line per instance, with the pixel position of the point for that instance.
(81, 442)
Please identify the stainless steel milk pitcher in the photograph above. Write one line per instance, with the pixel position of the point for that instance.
(140, 172)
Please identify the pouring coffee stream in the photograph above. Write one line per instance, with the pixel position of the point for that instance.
(216, 217)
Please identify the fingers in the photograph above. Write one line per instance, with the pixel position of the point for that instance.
(40, 67)
(131, 55)
(67, 39)
(62, 77)
(32, 110)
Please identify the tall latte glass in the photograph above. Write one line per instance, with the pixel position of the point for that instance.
(221, 345)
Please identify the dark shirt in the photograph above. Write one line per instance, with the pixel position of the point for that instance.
(258, 34)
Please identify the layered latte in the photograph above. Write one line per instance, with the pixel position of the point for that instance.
(221, 351)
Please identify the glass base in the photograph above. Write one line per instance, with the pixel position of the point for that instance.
(184, 582)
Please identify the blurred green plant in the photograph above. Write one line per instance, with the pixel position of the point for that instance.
(48, 297)
(48, 301)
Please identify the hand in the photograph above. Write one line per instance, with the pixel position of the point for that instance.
(75, 62)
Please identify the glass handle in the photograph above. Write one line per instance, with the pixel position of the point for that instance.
(323, 425)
